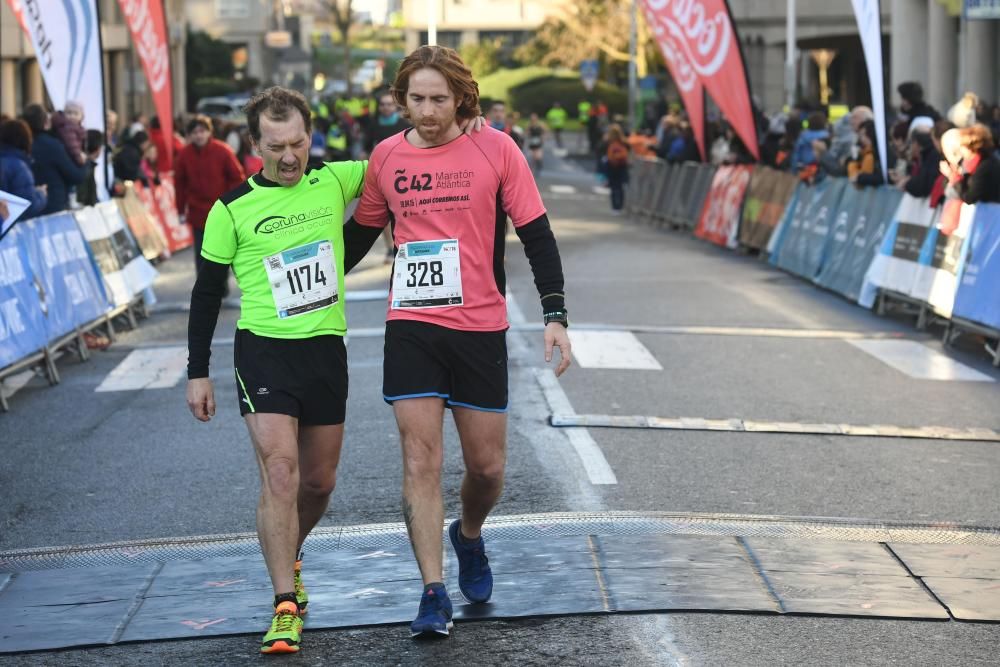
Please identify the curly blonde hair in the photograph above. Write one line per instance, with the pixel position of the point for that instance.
(450, 65)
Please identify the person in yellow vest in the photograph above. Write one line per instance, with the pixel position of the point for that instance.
(555, 118)
(583, 115)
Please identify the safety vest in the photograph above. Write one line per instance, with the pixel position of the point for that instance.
(583, 110)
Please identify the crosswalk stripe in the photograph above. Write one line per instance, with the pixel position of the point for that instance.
(562, 189)
(152, 368)
(611, 349)
(919, 361)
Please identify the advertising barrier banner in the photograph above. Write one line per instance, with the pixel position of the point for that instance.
(803, 243)
(977, 298)
(940, 262)
(897, 262)
(770, 192)
(72, 292)
(141, 217)
(22, 325)
(720, 215)
(126, 272)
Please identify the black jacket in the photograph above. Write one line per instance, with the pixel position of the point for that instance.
(984, 184)
(53, 167)
(922, 183)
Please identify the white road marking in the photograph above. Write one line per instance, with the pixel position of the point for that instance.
(597, 467)
(573, 421)
(611, 349)
(562, 189)
(154, 368)
(919, 361)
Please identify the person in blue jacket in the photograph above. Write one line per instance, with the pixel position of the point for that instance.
(52, 166)
(803, 154)
(15, 166)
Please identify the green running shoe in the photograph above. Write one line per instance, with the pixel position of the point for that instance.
(301, 596)
(285, 634)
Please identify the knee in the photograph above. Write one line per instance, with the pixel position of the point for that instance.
(319, 485)
(281, 477)
(421, 458)
(486, 473)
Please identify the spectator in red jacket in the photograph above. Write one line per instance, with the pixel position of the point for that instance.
(204, 170)
(165, 159)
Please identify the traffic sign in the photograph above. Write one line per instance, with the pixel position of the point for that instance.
(588, 73)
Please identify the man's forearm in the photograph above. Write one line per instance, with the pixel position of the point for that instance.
(546, 265)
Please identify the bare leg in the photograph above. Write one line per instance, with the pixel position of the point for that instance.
(319, 455)
(275, 440)
(483, 436)
(420, 422)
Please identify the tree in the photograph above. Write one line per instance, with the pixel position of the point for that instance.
(343, 18)
(483, 58)
(583, 29)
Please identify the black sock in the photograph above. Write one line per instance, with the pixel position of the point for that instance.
(436, 586)
(286, 597)
(468, 541)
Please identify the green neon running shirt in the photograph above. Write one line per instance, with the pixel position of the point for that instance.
(286, 247)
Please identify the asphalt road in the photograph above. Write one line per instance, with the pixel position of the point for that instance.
(85, 467)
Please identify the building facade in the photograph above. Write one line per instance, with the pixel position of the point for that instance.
(461, 22)
(124, 82)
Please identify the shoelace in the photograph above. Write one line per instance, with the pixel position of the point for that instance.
(479, 561)
(284, 621)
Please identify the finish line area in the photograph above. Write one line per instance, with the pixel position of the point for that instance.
(544, 565)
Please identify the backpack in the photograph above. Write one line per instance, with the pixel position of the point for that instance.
(617, 154)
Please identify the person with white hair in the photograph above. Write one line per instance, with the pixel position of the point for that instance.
(67, 125)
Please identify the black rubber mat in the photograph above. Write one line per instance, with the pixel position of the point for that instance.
(547, 571)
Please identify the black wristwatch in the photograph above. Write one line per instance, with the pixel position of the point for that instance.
(559, 316)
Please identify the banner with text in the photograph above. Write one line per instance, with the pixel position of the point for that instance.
(976, 299)
(159, 200)
(869, 18)
(146, 20)
(22, 327)
(720, 217)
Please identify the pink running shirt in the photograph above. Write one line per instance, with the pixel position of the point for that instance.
(463, 190)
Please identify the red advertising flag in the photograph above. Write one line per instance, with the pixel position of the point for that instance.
(146, 23)
(681, 70)
(700, 34)
(18, 10)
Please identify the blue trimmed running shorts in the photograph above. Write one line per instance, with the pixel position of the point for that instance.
(468, 369)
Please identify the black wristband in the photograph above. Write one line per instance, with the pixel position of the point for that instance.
(560, 316)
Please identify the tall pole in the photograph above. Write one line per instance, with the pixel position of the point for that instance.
(790, 69)
(432, 29)
(633, 83)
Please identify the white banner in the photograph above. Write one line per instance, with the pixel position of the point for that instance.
(66, 35)
(869, 17)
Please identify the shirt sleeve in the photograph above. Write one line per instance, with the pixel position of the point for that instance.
(373, 209)
(518, 191)
(351, 175)
(219, 244)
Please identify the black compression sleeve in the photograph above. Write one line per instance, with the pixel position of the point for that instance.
(543, 255)
(206, 299)
(358, 240)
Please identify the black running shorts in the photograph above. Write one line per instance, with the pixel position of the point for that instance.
(468, 369)
(305, 378)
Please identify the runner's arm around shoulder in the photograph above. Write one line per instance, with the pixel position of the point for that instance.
(358, 240)
(546, 265)
(206, 300)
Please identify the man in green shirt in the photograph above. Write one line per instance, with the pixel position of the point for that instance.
(556, 119)
(282, 233)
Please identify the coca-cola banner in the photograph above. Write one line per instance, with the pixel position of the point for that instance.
(146, 23)
(158, 200)
(702, 50)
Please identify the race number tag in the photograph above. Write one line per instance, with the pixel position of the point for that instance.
(302, 279)
(427, 274)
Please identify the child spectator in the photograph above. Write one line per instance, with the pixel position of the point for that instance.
(68, 127)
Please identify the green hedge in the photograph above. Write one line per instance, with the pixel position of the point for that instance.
(534, 89)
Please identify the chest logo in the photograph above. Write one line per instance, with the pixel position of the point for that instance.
(281, 223)
(404, 183)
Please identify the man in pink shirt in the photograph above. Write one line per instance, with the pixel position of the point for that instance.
(448, 196)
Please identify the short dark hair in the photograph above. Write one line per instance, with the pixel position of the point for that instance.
(15, 133)
(867, 128)
(277, 103)
(911, 91)
(900, 130)
(35, 116)
(200, 120)
(817, 120)
(95, 140)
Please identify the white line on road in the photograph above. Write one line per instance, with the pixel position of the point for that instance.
(611, 349)
(919, 361)
(597, 467)
(155, 368)
(562, 189)
(573, 421)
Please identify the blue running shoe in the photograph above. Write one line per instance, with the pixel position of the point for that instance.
(475, 579)
(434, 617)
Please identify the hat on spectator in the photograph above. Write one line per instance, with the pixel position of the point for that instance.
(921, 124)
(777, 124)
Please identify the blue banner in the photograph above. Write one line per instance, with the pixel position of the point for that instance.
(22, 325)
(803, 246)
(978, 297)
(72, 289)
